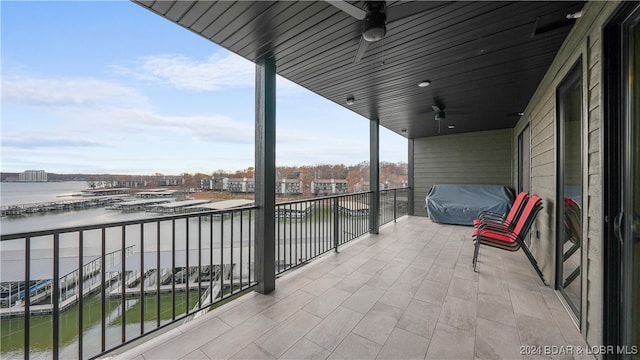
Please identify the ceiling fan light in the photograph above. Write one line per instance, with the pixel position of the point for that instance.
(350, 100)
(374, 27)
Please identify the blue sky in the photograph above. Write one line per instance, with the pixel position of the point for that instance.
(109, 87)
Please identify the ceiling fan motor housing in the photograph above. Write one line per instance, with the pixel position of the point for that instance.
(374, 22)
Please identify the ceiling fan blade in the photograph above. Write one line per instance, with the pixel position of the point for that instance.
(352, 10)
(407, 9)
(362, 48)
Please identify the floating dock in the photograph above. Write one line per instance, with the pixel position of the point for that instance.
(60, 205)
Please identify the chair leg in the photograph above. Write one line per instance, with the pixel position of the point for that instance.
(475, 253)
(532, 260)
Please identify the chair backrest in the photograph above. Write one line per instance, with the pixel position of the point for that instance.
(517, 207)
(531, 209)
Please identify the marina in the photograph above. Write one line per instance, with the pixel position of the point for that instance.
(61, 205)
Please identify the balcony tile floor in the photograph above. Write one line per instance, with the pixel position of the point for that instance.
(408, 293)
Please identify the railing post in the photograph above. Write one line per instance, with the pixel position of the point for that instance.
(265, 149)
(335, 224)
(374, 175)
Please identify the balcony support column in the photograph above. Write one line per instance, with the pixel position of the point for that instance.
(265, 175)
(410, 176)
(374, 174)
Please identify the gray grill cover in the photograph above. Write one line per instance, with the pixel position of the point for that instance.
(460, 204)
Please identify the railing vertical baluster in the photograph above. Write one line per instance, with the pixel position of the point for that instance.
(143, 274)
(231, 257)
(173, 269)
(56, 295)
(241, 248)
(200, 262)
(324, 225)
(297, 256)
(103, 291)
(222, 257)
(249, 245)
(187, 269)
(304, 231)
(335, 224)
(27, 296)
(158, 275)
(395, 205)
(80, 292)
(290, 219)
(211, 257)
(123, 286)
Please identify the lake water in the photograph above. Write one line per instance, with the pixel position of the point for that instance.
(14, 193)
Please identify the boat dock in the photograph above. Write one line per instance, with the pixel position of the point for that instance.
(60, 205)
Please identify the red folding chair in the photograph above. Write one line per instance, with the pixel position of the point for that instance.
(507, 221)
(510, 239)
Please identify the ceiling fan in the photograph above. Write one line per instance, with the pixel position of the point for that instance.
(376, 15)
(440, 111)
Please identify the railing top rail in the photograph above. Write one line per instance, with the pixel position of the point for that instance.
(46, 232)
(322, 198)
(335, 196)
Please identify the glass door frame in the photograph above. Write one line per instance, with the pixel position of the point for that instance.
(574, 75)
(617, 177)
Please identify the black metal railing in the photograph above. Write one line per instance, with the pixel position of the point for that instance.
(308, 228)
(120, 281)
(394, 203)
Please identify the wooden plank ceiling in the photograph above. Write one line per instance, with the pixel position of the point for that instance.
(482, 59)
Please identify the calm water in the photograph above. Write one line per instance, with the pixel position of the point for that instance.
(13, 193)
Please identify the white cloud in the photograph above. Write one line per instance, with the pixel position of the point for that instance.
(91, 107)
(215, 73)
(218, 72)
(86, 92)
(45, 140)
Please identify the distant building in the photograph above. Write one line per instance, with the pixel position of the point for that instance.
(171, 181)
(214, 183)
(289, 187)
(33, 175)
(329, 187)
(243, 185)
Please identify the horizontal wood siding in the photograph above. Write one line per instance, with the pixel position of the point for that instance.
(584, 42)
(470, 158)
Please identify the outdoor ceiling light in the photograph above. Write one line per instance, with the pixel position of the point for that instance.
(350, 100)
(424, 83)
(575, 15)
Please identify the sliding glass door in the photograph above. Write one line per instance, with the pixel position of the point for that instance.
(631, 236)
(622, 182)
(570, 189)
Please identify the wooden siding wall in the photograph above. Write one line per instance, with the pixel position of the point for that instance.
(583, 43)
(471, 158)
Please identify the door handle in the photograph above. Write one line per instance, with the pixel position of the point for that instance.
(617, 227)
